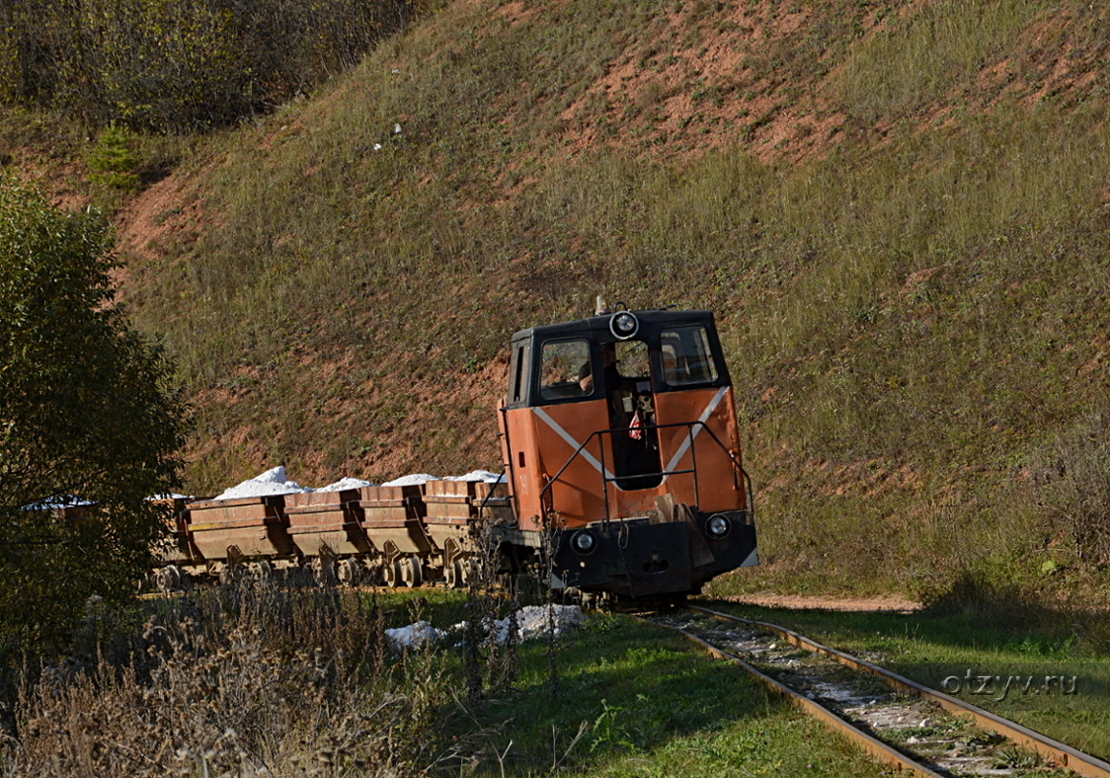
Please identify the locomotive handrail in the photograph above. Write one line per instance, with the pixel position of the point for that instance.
(606, 480)
(489, 493)
(748, 491)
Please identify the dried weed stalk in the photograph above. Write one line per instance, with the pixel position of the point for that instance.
(235, 683)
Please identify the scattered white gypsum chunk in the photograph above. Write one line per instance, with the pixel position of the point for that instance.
(534, 621)
(273, 481)
(56, 501)
(414, 635)
(71, 501)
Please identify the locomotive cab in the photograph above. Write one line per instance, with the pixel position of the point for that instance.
(622, 449)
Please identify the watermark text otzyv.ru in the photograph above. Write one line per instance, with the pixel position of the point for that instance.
(999, 687)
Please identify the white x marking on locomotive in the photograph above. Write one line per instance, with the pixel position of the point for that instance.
(562, 433)
(689, 439)
(681, 452)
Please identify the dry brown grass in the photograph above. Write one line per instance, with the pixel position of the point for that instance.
(244, 683)
(1071, 485)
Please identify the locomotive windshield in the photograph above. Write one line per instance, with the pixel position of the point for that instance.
(685, 360)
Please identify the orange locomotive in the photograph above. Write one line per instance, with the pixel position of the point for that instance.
(620, 439)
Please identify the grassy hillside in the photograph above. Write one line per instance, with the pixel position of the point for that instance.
(899, 210)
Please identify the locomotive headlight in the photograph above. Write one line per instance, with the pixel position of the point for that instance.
(718, 526)
(584, 542)
(624, 325)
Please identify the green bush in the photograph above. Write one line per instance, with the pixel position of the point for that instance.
(86, 410)
(111, 161)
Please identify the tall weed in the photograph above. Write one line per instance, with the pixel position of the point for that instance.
(251, 683)
(1071, 483)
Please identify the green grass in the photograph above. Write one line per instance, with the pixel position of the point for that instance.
(295, 679)
(633, 700)
(934, 55)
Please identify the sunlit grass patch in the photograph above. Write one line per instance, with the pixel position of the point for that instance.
(629, 699)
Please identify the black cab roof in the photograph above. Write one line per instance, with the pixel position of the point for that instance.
(650, 322)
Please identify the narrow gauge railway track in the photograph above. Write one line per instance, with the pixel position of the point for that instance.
(897, 721)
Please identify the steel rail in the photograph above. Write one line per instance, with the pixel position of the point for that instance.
(1063, 754)
(871, 745)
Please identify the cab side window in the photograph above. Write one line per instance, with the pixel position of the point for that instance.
(687, 358)
(563, 364)
(517, 384)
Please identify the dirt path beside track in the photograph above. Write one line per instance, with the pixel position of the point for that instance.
(891, 603)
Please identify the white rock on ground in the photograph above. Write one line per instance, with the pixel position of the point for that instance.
(415, 635)
(532, 622)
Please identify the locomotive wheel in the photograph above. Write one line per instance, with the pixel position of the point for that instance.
(391, 571)
(350, 572)
(412, 574)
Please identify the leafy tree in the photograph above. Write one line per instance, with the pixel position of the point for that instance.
(181, 65)
(86, 409)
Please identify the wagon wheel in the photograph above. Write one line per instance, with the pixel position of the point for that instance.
(452, 574)
(261, 572)
(167, 579)
(470, 570)
(412, 574)
(372, 572)
(323, 571)
(391, 571)
(350, 572)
